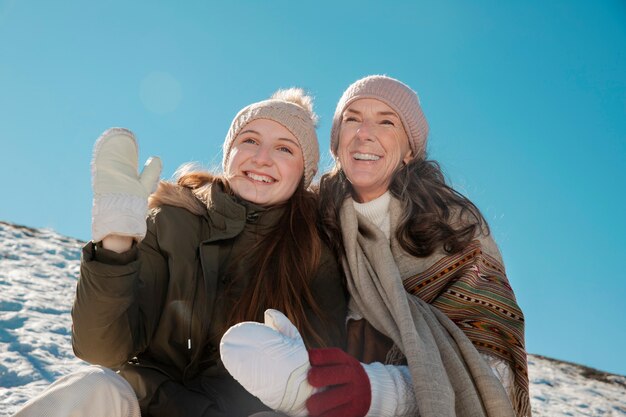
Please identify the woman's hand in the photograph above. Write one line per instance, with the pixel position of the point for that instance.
(346, 390)
(270, 361)
(120, 193)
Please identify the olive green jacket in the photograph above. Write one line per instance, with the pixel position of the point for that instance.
(150, 311)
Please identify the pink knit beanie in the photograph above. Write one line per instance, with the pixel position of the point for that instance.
(293, 109)
(397, 95)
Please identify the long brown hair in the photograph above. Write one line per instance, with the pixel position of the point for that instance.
(434, 214)
(282, 265)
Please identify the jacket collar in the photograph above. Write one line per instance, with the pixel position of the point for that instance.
(225, 214)
(229, 214)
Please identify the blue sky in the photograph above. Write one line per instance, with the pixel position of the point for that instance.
(526, 103)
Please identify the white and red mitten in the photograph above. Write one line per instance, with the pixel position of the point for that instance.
(270, 361)
(120, 193)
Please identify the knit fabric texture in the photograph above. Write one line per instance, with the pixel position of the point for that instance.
(293, 117)
(377, 211)
(472, 289)
(449, 376)
(397, 95)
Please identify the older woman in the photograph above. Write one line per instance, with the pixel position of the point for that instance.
(385, 203)
(434, 325)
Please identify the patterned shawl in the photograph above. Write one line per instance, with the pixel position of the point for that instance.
(397, 293)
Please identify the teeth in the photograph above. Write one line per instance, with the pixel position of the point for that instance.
(366, 157)
(262, 178)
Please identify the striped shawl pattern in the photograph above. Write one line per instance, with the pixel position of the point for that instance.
(450, 378)
(472, 289)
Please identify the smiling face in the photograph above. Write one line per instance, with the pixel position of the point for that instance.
(266, 163)
(372, 145)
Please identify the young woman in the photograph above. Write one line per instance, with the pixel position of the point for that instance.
(154, 299)
(434, 328)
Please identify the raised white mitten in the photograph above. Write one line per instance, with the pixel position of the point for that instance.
(120, 193)
(270, 361)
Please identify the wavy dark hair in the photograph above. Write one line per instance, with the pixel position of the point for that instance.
(282, 264)
(434, 214)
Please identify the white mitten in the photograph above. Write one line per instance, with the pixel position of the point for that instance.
(120, 194)
(270, 361)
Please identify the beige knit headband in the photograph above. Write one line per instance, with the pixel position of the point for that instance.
(293, 117)
(397, 95)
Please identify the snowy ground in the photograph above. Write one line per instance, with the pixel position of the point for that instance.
(38, 273)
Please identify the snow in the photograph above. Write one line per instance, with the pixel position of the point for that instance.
(565, 389)
(38, 273)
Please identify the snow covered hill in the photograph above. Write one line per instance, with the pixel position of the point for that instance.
(38, 274)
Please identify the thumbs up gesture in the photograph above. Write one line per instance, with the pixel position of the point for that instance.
(270, 361)
(120, 192)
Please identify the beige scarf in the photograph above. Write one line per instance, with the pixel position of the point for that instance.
(449, 376)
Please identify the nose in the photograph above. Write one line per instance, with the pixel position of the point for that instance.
(262, 156)
(365, 131)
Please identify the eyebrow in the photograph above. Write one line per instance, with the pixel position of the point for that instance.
(248, 131)
(257, 133)
(380, 113)
(290, 140)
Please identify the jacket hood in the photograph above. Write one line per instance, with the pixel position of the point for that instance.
(194, 200)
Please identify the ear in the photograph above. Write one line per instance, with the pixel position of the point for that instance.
(407, 156)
